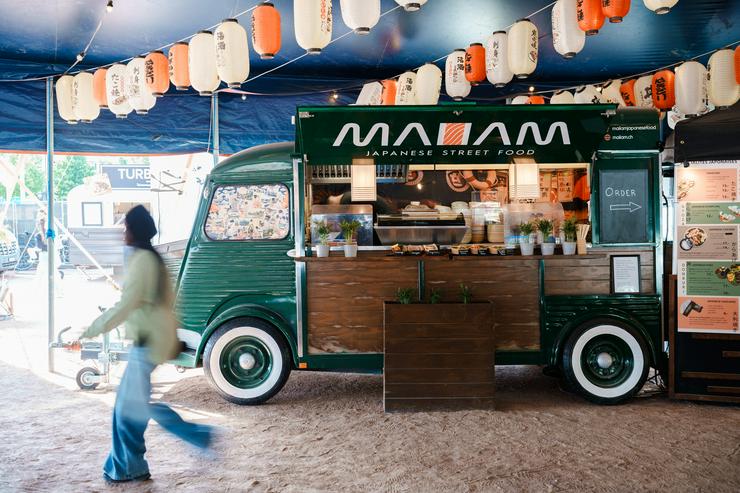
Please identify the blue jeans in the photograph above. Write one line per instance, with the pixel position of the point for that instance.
(131, 415)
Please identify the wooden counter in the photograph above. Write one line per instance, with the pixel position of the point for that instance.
(345, 295)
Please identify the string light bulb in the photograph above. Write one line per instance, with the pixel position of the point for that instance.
(80, 56)
(109, 6)
(334, 96)
(244, 97)
(531, 88)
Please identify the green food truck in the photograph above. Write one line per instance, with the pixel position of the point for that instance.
(256, 302)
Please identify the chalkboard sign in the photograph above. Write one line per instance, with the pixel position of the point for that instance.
(624, 205)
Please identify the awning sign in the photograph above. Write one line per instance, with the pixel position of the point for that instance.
(463, 134)
(128, 177)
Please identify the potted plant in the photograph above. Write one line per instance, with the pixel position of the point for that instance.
(466, 294)
(349, 228)
(324, 231)
(525, 239)
(405, 296)
(569, 230)
(548, 241)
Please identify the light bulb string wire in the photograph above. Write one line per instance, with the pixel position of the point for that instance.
(83, 53)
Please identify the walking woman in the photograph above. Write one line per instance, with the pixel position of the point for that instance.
(146, 309)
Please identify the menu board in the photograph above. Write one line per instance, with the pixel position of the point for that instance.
(707, 250)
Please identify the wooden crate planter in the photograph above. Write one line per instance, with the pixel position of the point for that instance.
(438, 356)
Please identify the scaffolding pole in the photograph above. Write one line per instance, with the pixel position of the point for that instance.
(214, 125)
(50, 251)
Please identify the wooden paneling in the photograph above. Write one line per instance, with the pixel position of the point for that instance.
(345, 302)
(438, 356)
(582, 276)
(512, 286)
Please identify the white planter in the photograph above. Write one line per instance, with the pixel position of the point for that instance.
(350, 250)
(569, 248)
(527, 248)
(322, 250)
(548, 248)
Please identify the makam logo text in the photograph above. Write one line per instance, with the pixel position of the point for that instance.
(452, 134)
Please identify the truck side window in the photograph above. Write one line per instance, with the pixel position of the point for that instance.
(249, 212)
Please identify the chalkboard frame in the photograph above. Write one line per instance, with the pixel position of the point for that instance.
(612, 161)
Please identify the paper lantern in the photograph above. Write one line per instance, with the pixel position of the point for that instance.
(587, 95)
(456, 85)
(202, 63)
(536, 99)
(313, 24)
(567, 37)
(628, 92)
(99, 92)
(521, 99)
(232, 53)
(360, 15)
(660, 6)
(691, 88)
(63, 92)
(266, 30)
(562, 97)
(723, 90)
(370, 95)
(157, 73)
(84, 105)
(497, 59)
(389, 92)
(411, 5)
(139, 97)
(615, 10)
(611, 93)
(664, 90)
(428, 84)
(115, 84)
(475, 63)
(406, 89)
(178, 60)
(737, 64)
(522, 47)
(590, 16)
(644, 92)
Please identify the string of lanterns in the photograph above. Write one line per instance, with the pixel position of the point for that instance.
(221, 55)
(688, 91)
(210, 58)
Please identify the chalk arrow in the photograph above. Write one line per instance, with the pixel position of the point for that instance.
(632, 207)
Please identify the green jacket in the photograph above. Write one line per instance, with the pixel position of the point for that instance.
(145, 307)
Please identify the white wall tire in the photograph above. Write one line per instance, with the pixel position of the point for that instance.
(247, 361)
(605, 361)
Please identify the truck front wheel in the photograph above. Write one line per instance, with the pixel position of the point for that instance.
(605, 361)
(247, 360)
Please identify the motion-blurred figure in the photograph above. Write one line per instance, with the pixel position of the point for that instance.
(146, 307)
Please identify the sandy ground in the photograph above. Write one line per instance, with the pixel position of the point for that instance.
(327, 432)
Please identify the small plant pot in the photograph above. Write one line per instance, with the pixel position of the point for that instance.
(527, 248)
(322, 250)
(350, 250)
(569, 248)
(548, 248)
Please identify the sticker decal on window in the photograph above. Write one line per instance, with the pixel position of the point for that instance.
(249, 212)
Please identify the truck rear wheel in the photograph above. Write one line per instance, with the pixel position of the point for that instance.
(605, 361)
(247, 360)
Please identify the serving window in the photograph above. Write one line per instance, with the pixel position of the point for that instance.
(249, 212)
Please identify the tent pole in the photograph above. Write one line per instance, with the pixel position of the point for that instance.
(50, 213)
(214, 123)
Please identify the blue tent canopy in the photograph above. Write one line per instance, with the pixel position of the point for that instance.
(42, 38)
